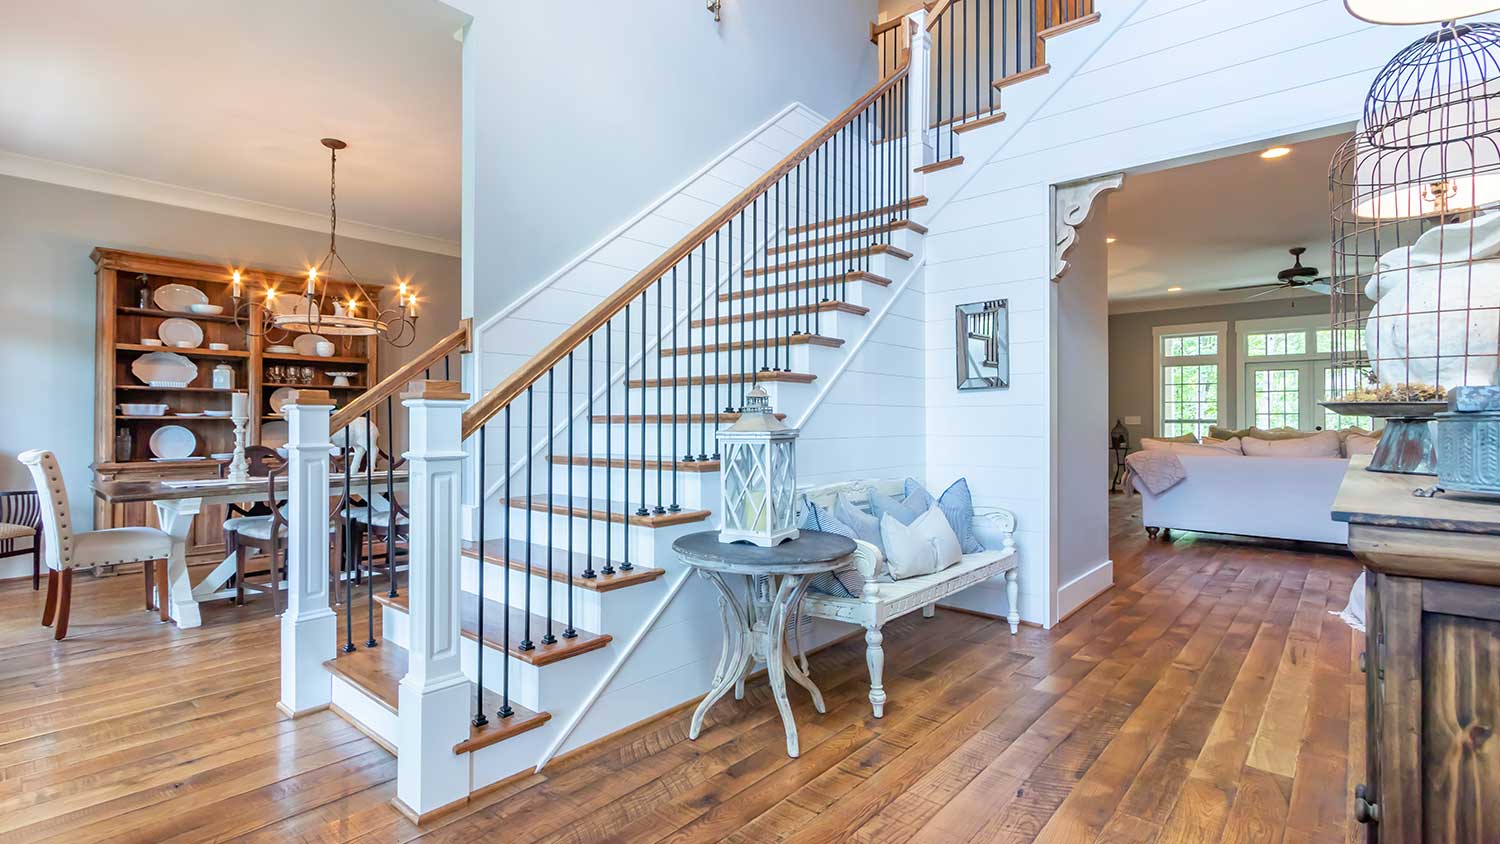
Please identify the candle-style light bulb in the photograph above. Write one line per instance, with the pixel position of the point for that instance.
(235, 285)
(312, 276)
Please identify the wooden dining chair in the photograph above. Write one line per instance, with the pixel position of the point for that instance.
(66, 549)
(262, 528)
(21, 518)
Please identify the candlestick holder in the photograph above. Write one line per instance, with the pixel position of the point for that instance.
(239, 468)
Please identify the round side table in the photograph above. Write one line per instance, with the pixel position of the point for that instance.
(755, 617)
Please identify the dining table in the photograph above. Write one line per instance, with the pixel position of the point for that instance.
(178, 503)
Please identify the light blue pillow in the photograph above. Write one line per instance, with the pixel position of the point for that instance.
(957, 504)
(845, 582)
(865, 526)
(901, 510)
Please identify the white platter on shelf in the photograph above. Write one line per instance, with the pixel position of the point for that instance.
(274, 434)
(164, 369)
(176, 460)
(173, 442)
(178, 297)
(176, 331)
(217, 414)
(281, 349)
(281, 396)
(307, 344)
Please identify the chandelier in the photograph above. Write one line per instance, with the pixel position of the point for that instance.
(317, 309)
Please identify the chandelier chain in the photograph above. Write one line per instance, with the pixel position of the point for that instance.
(333, 201)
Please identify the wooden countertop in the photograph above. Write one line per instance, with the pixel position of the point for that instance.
(1385, 500)
(124, 492)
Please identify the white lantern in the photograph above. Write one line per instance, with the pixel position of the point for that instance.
(758, 476)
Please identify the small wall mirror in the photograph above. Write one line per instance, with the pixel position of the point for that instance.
(983, 345)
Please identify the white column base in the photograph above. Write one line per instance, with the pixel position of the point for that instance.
(307, 641)
(429, 775)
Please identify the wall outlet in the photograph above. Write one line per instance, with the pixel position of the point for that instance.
(1132, 420)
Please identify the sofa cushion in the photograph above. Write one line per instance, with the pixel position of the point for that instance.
(864, 525)
(1210, 449)
(925, 546)
(845, 582)
(905, 509)
(957, 504)
(1321, 444)
(1356, 445)
(1159, 441)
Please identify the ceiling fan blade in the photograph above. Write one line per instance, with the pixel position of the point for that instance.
(1321, 286)
(1250, 286)
(1266, 292)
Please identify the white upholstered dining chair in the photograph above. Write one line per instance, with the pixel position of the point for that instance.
(65, 549)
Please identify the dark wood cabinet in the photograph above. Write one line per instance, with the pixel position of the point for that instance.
(1432, 660)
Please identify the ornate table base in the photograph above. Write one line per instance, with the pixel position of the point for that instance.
(756, 630)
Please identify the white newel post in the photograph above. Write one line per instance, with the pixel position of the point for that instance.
(917, 115)
(434, 698)
(309, 627)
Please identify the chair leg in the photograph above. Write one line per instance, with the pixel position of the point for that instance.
(148, 569)
(239, 575)
(36, 562)
(875, 660)
(163, 605)
(64, 603)
(49, 609)
(275, 576)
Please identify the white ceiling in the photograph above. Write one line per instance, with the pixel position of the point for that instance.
(229, 98)
(1220, 223)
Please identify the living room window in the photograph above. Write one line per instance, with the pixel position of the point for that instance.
(1287, 373)
(1190, 362)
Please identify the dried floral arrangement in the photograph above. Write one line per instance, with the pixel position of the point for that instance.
(1396, 393)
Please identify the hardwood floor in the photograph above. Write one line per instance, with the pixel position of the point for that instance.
(1208, 696)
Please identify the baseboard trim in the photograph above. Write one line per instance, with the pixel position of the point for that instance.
(1071, 596)
(295, 714)
(985, 615)
(420, 818)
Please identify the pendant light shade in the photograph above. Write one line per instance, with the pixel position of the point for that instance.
(1417, 11)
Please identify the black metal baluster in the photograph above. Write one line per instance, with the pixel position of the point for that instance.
(588, 542)
(718, 356)
(782, 309)
(568, 631)
(390, 491)
(688, 352)
(658, 509)
(609, 567)
(963, 100)
(703, 364)
(479, 719)
(348, 531)
(370, 451)
(505, 552)
(729, 309)
(991, 77)
(526, 643)
(551, 464)
(643, 510)
(609, 376)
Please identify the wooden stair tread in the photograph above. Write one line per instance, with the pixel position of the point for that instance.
(832, 306)
(495, 552)
(729, 378)
(617, 511)
(724, 418)
(959, 121)
(914, 202)
(826, 281)
(794, 340)
(1039, 70)
(1068, 26)
(636, 463)
(775, 268)
(971, 125)
(941, 165)
(378, 672)
(868, 231)
(494, 630)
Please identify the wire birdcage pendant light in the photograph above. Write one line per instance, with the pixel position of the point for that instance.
(317, 309)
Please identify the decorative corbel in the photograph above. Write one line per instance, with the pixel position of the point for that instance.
(1071, 205)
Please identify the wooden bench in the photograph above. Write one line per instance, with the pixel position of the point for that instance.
(884, 599)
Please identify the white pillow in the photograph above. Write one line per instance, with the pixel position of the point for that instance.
(925, 546)
(1322, 444)
(1358, 444)
(1208, 448)
(1230, 446)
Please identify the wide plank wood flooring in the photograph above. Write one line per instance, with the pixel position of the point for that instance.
(1208, 696)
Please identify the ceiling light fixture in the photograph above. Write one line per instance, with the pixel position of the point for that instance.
(1276, 152)
(1417, 11)
(1174, 289)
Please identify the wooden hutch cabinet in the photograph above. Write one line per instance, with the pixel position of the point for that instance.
(127, 313)
(1431, 661)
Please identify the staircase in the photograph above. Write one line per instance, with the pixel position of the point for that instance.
(568, 618)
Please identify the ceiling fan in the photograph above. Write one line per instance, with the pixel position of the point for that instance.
(1290, 278)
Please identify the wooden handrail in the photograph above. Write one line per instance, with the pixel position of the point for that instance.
(884, 26)
(460, 340)
(935, 11)
(529, 372)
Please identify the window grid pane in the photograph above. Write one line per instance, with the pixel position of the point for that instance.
(1190, 397)
(1277, 398)
(1268, 343)
(1190, 345)
(1338, 421)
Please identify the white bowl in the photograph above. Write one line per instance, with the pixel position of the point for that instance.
(324, 349)
(139, 409)
(151, 341)
(205, 309)
(219, 347)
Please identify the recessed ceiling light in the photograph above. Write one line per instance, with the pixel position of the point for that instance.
(1174, 289)
(1109, 240)
(1276, 152)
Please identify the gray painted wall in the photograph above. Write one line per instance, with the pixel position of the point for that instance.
(578, 119)
(1131, 391)
(47, 345)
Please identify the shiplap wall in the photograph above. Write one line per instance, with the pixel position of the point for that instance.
(1153, 81)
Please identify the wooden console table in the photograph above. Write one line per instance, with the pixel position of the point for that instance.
(1432, 658)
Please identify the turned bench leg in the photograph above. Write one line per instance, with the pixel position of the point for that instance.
(875, 659)
(929, 611)
(1013, 597)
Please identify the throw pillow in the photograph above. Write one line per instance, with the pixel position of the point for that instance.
(1229, 446)
(925, 546)
(845, 582)
(866, 527)
(1322, 444)
(1150, 443)
(1204, 450)
(882, 505)
(957, 503)
(1356, 445)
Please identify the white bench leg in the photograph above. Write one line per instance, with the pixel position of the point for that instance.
(1012, 596)
(929, 611)
(875, 658)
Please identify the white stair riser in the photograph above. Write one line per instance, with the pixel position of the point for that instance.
(803, 357)
(855, 292)
(601, 612)
(695, 490)
(760, 331)
(903, 239)
(646, 544)
(365, 710)
(789, 397)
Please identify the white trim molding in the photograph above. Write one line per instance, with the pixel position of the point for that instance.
(1158, 361)
(1071, 205)
(115, 184)
(1084, 588)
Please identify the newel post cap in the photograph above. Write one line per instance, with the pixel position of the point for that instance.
(435, 391)
(311, 398)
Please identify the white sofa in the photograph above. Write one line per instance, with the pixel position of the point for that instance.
(1275, 497)
(884, 599)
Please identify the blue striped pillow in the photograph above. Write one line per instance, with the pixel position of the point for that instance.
(957, 504)
(845, 582)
